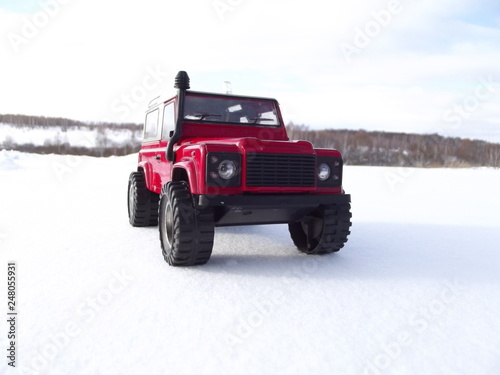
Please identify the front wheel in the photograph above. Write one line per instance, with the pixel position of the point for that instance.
(186, 233)
(323, 231)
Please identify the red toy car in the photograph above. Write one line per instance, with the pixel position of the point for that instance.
(210, 160)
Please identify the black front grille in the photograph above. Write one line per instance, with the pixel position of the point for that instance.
(281, 170)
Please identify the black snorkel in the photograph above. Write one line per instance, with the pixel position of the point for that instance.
(182, 84)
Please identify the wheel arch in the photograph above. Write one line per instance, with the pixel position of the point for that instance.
(147, 170)
(186, 171)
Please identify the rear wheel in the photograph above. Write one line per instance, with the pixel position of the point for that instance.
(186, 233)
(142, 203)
(323, 231)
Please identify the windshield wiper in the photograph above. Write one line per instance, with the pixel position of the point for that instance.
(204, 115)
(255, 120)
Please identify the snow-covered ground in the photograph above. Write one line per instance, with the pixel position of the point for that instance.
(416, 290)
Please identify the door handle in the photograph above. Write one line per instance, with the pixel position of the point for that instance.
(158, 157)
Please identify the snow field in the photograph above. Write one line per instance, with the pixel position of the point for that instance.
(415, 290)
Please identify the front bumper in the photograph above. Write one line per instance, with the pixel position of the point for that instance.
(265, 208)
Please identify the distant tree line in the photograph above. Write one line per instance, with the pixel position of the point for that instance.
(102, 146)
(378, 148)
(66, 149)
(46, 122)
(358, 147)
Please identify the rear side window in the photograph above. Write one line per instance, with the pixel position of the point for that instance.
(168, 120)
(151, 126)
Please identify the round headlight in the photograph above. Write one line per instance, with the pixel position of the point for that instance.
(227, 169)
(323, 172)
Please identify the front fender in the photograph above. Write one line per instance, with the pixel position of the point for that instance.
(185, 170)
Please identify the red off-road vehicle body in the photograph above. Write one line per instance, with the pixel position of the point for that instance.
(232, 156)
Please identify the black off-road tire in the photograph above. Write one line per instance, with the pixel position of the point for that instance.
(142, 202)
(324, 231)
(186, 233)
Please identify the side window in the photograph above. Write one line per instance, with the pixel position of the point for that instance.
(168, 120)
(151, 126)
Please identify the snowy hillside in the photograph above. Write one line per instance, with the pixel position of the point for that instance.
(415, 290)
(90, 138)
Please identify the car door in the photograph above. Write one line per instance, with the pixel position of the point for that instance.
(168, 126)
(151, 145)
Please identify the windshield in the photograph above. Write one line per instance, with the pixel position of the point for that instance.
(232, 110)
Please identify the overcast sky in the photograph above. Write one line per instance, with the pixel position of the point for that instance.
(411, 66)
